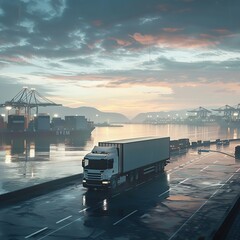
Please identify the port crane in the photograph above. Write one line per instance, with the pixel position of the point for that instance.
(230, 112)
(200, 112)
(27, 99)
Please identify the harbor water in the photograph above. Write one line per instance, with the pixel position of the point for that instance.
(27, 162)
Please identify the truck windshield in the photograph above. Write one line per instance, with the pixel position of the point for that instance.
(98, 164)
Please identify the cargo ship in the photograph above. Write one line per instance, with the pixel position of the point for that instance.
(41, 126)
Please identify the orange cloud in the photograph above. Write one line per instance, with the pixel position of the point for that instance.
(172, 29)
(169, 41)
(122, 42)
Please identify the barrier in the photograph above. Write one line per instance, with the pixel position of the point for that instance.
(37, 190)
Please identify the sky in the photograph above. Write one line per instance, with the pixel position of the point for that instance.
(126, 56)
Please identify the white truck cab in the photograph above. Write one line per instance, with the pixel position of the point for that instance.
(100, 165)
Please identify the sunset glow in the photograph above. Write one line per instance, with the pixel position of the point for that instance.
(123, 56)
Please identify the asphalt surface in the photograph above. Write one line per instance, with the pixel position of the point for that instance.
(189, 201)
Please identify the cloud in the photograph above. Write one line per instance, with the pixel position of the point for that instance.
(121, 45)
(168, 41)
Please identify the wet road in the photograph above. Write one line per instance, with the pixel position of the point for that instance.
(188, 201)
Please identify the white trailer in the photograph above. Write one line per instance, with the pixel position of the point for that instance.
(113, 163)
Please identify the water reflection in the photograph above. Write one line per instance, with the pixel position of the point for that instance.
(229, 132)
(24, 162)
(33, 149)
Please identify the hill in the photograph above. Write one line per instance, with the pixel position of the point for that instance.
(90, 113)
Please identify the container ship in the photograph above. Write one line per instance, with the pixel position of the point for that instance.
(41, 126)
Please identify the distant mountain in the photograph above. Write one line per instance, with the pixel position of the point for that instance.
(141, 117)
(90, 113)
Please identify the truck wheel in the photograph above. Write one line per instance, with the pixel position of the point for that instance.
(113, 183)
(131, 177)
(163, 166)
(136, 176)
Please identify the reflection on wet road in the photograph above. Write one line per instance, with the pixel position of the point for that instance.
(188, 201)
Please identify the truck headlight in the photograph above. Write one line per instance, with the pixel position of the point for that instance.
(105, 182)
(83, 180)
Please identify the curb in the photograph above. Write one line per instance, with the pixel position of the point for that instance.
(38, 190)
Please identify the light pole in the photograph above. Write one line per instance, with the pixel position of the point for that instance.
(208, 150)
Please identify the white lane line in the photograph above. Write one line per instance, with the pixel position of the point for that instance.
(63, 219)
(183, 181)
(98, 234)
(238, 170)
(204, 168)
(124, 217)
(199, 208)
(216, 162)
(228, 180)
(83, 210)
(164, 192)
(37, 232)
(196, 160)
(140, 184)
(128, 189)
(60, 228)
(115, 195)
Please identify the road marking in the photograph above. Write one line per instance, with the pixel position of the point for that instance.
(216, 162)
(183, 181)
(128, 189)
(204, 168)
(115, 195)
(98, 234)
(193, 215)
(63, 219)
(185, 223)
(37, 232)
(228, 180)
(238, 170)
(191, 162)
(140, 184)
(164, 192)
(60, 228)
(124, 217)
(83, 210)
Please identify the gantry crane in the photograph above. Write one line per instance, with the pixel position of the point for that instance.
(27, 100)
(200, 112)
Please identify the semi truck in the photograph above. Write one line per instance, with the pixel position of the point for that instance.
(114, 163)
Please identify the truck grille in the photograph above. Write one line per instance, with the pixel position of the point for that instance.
(93, 176)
